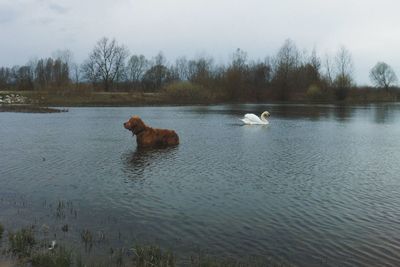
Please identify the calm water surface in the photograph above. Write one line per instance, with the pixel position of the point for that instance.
(318, 186)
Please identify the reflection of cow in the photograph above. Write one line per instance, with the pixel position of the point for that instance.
(150, 137)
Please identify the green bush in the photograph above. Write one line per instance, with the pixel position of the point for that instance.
(314, 92)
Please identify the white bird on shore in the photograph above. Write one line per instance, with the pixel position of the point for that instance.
(52, 245)
(252, 119)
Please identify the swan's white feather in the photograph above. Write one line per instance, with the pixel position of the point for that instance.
(250, 118)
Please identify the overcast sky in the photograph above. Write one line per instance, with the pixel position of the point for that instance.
(369, 29)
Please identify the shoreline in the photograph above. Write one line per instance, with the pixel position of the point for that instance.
(43, 109)
(56, 102)
(29, 108)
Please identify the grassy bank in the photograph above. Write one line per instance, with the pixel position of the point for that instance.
(181, 96)
(22, 248)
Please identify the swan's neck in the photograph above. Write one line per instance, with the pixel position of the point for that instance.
(264, 117)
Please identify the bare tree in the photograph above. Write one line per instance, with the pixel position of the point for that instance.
(239, 60)
(315, 63)
(160, 59)
(382, 75)
(75, 73)
(344, 67)
(106, 63)
(40, 74)
(286, 64)
(307, 74)
(5, 77)
(344, 73)
(137, 66)
(23, 77)
(60, 73)
(65, 56)
(288, 56)
(328, 75)
(236, 75)
(90, 72)
(199, 70)
(259, 73)
(182, 68)
(51, 73)
(158, 75)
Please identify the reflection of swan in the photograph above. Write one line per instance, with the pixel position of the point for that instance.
(250, 118)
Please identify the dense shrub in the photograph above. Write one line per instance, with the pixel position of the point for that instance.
(314, 92)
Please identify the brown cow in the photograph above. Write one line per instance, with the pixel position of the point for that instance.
(150, 137)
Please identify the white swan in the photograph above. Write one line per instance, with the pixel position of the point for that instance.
(250, 118)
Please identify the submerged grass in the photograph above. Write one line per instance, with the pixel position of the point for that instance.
(146, 256)
(37, 253)
(87, 238)
(1, 230)
(206, 261)
(59, 257)
(22, 242)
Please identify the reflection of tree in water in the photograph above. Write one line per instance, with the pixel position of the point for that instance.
(342, 112)
(382, 114)
(136, 162)
(313, 112)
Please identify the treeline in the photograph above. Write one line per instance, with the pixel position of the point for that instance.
(288, 75)
(41, 75)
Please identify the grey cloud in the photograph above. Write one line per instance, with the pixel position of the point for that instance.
(185, 28)
(58, 8)
(7, 15)
(43, 20)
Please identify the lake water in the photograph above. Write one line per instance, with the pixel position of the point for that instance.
(318, 186)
